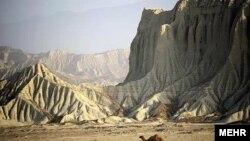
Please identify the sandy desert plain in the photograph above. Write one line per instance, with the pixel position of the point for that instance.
(169, 131)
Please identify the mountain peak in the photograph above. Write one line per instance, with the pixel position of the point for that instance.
(9, 49)
(57, 52)
(193, 64)
(153, 10)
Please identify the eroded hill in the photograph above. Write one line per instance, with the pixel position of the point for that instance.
(194, 59)
(191, 63)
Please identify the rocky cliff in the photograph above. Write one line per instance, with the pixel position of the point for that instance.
(191, 63)
(194, 59)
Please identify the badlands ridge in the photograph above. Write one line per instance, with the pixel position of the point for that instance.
(188, 64)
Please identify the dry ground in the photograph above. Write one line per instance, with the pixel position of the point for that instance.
(107, 132)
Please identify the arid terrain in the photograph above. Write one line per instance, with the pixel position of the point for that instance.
(190, 64)
(107, 132)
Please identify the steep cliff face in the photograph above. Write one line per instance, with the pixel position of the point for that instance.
(191, 63)
(197, 62)
(143, 46)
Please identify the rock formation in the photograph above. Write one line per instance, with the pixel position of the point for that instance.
(107, 68)
(195, 59)
(37, 95)
(188, 63)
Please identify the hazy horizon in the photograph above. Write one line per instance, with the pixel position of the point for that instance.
(78, 26)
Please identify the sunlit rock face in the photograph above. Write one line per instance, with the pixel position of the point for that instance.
(191, 63)
(36, 95)
(195, 59)
(143, 46)
(43, 88)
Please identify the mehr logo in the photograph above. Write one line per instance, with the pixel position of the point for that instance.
(232, 132)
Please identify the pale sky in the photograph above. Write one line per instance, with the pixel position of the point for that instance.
(79, 26)
(14, 10)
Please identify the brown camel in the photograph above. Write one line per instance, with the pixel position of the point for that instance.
(152, 138)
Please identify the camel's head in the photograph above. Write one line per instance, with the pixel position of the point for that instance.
(142, 137)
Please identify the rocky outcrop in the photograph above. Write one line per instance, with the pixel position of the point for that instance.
(189, 64)
(194, 58)
(107, 68)
(37, 95)
(143, 46)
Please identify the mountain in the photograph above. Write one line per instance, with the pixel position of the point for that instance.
(104, 68)
(194, 59)
(188, 64)
(37, 95)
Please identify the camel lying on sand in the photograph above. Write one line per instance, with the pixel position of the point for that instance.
(152, 138)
